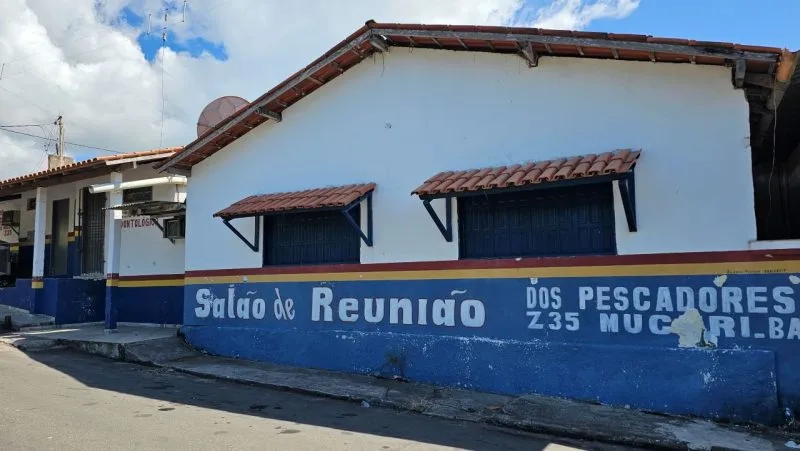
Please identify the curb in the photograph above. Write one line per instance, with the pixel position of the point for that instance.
(587, 435)
(500, 420)
(284, 388)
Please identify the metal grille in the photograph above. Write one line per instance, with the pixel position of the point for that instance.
(93, 231)
(5, 259)
(577, 220)
(310, 238)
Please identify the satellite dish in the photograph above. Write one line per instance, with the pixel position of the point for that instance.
(216, 111)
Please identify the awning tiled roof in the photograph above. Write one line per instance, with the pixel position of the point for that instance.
(593, 165)
(312, 199)
(151, 207)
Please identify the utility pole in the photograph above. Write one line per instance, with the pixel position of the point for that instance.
(59, 159)
(60, 142)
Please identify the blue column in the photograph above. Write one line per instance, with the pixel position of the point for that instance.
(112, 280)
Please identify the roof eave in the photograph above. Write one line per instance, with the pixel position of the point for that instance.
(374, 37)
(90, 170)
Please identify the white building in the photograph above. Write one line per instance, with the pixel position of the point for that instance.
(457, 205)
(66, 239)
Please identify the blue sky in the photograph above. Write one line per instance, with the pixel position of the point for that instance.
(151, 43)
(757, 22)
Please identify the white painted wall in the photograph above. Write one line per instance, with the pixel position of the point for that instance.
(143, 249)
(400, 120)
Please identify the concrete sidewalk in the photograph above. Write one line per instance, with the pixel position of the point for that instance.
(164, 348)
(22, 318)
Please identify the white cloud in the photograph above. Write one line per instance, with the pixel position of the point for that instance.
(577, 14)
(77, 59)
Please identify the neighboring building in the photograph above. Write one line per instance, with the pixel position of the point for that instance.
(458, 211)
(64, 264)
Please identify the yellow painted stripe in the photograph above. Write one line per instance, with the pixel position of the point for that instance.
(37, 285)
(112, 282)
(70, 239)
(14, 248)
(151, 283)
(685, 269)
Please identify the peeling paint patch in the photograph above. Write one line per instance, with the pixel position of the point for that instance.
(691, 331)
(689, 327)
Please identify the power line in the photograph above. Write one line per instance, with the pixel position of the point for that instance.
(19, 96)
(23, 125)
(66, 142)
(27, 134)
(93, 147)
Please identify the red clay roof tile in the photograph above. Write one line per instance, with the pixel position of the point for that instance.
(584, 166)
(86, 165)
(339, 196)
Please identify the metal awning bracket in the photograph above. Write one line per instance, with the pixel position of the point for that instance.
(627, 191)
(366, 237)
(256, 233)
(445, 228)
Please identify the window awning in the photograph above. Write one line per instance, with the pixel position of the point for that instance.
(592, 168)
(313, 199)
(579, 168)
(344, 198)
(151, 208)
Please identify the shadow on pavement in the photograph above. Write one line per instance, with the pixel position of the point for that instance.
(176, 389)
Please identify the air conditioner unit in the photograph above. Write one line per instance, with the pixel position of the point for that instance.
(10, 218)
(175, 228)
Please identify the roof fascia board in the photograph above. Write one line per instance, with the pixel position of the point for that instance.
(10, 197)
(255, 107)
(708, 51)
(144, 158)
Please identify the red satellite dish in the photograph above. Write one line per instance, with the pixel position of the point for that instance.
(216, 111)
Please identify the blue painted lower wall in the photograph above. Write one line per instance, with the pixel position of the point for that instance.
(710, 345)
(725, 384)
(72, 300)
(20, 295)
(149, 304)
(79, 301)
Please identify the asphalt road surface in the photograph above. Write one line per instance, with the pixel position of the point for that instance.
(63, 400)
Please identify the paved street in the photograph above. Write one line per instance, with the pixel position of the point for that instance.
(63, 400)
